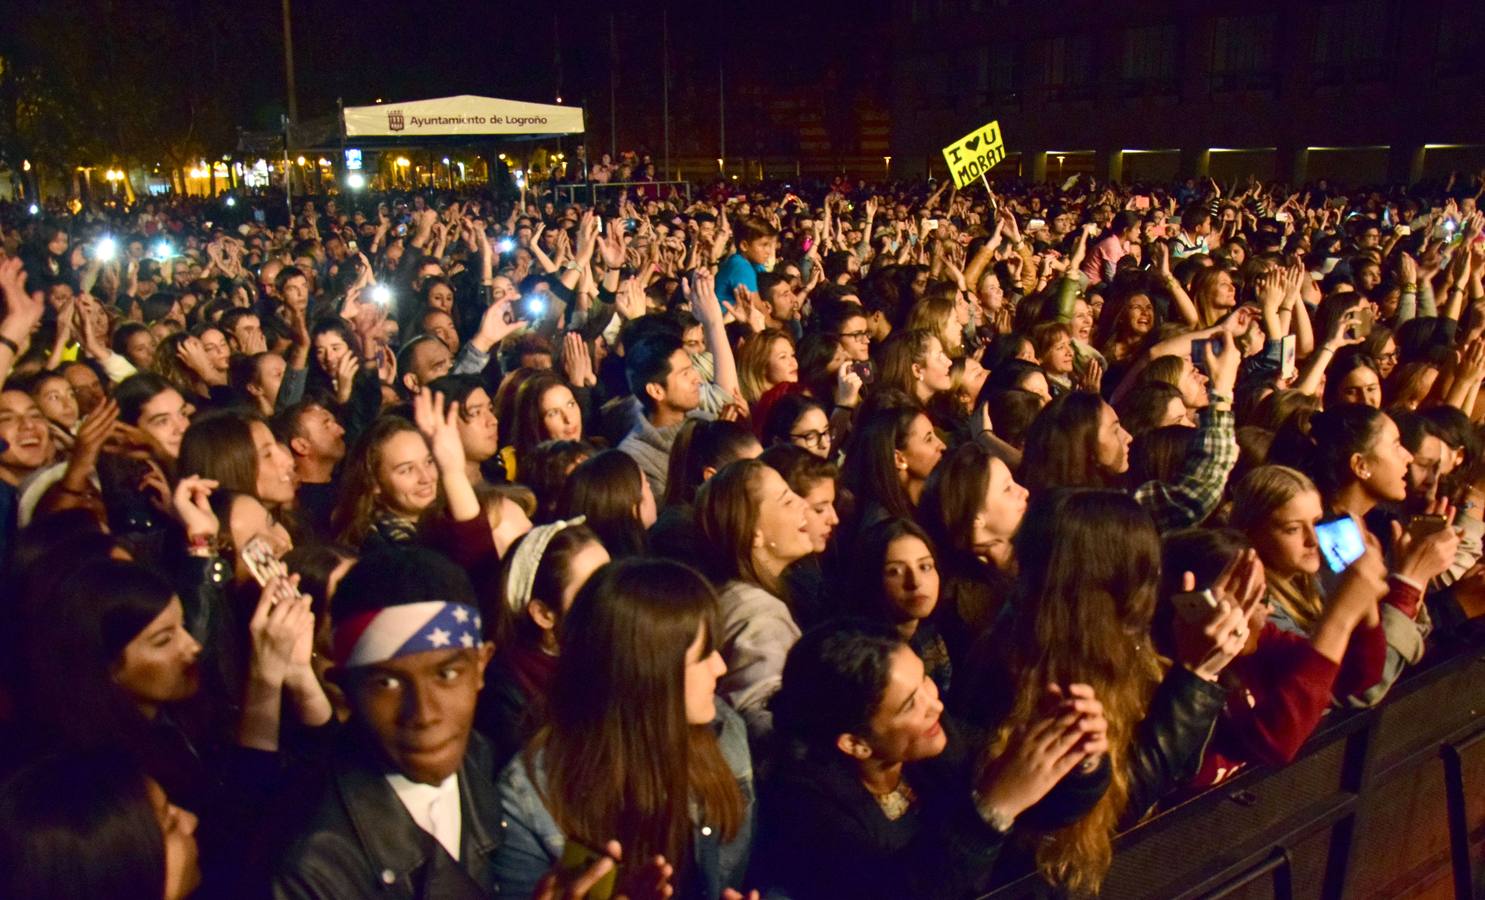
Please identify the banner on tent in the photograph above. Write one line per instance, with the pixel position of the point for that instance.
(464, 115)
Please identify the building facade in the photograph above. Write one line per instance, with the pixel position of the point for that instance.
(1363, 91)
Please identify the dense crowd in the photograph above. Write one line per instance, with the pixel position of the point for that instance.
(800, 541)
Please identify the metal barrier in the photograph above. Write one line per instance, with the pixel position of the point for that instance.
(1380, 803)
(596, 189)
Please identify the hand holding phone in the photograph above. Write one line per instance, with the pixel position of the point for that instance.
(1341, 542)
(264, 565)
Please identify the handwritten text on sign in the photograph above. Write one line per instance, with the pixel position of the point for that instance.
(975, 154)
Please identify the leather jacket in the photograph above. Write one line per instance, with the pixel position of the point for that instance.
(1169, 743)
(361, 842)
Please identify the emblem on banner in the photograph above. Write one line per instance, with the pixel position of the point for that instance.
(394, 120)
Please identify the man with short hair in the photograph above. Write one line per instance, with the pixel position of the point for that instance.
(660, 373)
(780, 302)
(408, 808)
(316, 440)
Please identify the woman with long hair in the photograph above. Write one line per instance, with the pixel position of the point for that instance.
(1089, 576)
(388, 480)
(915, 363)
(897, 583)
(1277, 509)
(765, 361)
(636, 747)
(534, 590)
(755, 528)
(812, 597)
(239, 452)
(546, 409)
(92, 824)
(701, 448)
(612, 493)
(890, 455)
(972, 507)
(876, 793)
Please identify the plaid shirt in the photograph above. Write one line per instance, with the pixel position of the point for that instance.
(1196, 492)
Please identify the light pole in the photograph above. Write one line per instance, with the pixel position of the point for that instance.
(293, 104)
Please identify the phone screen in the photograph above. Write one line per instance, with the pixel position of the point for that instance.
(1288, 368)
(1340, 542)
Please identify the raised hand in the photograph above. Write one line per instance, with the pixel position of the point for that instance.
(577, 361)
(281, 630)
(190, 503)
(1039, 755)
(440, 427)
(1207, 646)
(22, 310)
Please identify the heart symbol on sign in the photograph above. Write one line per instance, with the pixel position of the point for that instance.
(973, 142)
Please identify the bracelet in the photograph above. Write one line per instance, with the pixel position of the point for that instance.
(997, 820)
(1410, 289)
(7, 342)
(207, 542)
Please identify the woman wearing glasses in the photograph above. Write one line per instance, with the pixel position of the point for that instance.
(799, 420)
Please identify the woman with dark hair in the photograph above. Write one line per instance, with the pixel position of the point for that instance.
(811, 598)
(1151, 405)
(897, 582)
(547, 467)
(1020, 375)
(636, 747)
(972, 507)
(546, 409)
(877, 794)
(891, 453)
(799, 420)
(152, 405)
(239, 452)
(108, 663)
(755, 528)
(1353, 378)
(92, 824)
(534, 591)
(701, 448)
(611, 491)
(1090, 571)
(1078, 441)
(1159, 454)
(1012, 413)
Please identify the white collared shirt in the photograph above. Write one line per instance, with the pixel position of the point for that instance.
(435, 807)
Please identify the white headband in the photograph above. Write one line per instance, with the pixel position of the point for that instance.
(527, 560)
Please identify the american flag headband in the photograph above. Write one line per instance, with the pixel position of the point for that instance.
(396, 631)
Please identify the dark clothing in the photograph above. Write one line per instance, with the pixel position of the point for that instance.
(823, 835)
(675, 536)
(316, 504)
(517, 683)
(360, 841)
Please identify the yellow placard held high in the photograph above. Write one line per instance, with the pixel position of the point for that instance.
(975, 154)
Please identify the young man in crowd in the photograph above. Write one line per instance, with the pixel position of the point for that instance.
(409, 809)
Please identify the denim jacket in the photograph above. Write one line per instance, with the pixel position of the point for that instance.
(531, 841)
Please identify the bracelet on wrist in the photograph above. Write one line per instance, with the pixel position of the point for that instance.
(7, 342)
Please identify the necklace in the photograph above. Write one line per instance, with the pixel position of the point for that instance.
(896, 802)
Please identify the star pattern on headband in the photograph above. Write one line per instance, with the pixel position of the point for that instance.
(461, 616)
(438, 637)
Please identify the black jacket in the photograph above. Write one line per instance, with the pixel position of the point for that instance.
(822, 835)
(360, 841)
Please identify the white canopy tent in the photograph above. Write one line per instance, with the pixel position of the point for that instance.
(464, 115)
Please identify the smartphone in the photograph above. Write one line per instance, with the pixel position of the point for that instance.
(1421, 526)
(532, 307)
(1403, 230)
(1194, 606)
(864, 371)
(1036, 223)
(402, 230)
(932, 224)
(1288, 367)
(806, 244)
(1141, 202)
(576, 858)
(264, 566)
(1340, 542)
(1361, 326)
(1281, 216)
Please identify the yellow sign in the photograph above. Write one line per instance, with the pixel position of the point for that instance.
(975, 154)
